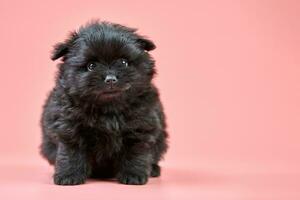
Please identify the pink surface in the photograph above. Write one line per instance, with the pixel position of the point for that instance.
(229, 79)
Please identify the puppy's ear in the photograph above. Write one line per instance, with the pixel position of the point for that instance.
(61, 49)
(146, 44)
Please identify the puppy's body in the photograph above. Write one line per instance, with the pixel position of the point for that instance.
(104, 119)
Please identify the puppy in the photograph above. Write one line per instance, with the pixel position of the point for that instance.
(104, 118)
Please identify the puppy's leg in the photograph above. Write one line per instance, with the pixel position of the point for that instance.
(71, 167)
(48, 150)
(155, 170)
(135, 166)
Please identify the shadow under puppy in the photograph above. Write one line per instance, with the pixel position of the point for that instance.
(103, 118)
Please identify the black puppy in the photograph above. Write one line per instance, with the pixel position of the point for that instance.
(103, 118)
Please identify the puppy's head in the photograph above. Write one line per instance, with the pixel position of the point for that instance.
(105, 61)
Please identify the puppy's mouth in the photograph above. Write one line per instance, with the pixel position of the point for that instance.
(114, 92)
(111, 93)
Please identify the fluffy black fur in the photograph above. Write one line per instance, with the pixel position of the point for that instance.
(104, 118)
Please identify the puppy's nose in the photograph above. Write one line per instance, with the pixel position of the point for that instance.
(110, 79)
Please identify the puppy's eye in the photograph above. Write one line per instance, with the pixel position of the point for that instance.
(124, 62)
(91, 66)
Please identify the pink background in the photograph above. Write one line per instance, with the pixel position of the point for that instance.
(228, 72)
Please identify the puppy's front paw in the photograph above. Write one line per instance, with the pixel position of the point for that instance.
(68, 180)
(133, 179)
(155, 171)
